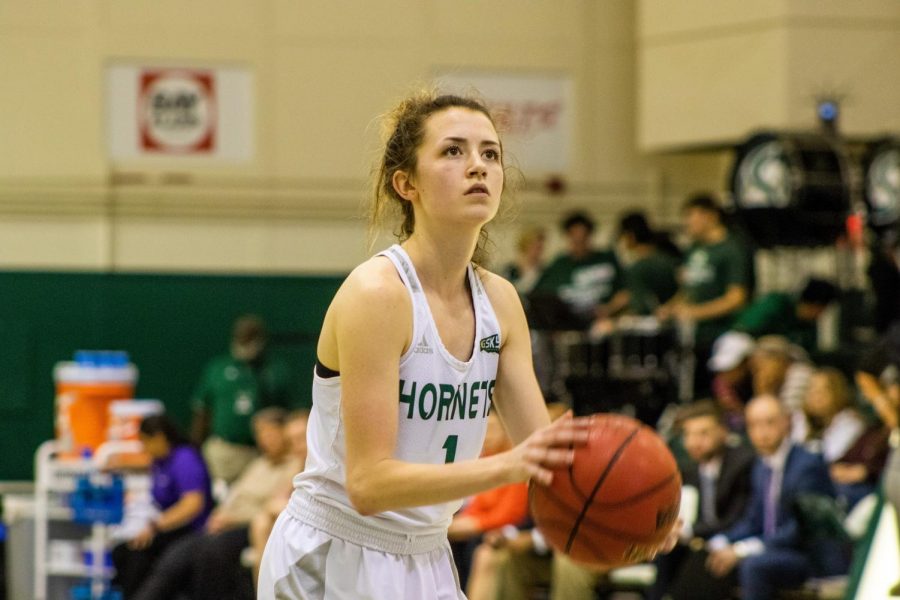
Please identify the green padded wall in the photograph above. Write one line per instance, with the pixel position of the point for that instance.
(170, 324)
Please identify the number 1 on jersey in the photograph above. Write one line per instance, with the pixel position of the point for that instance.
(450, 447)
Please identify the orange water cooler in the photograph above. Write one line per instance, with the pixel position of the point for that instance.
(85, 389)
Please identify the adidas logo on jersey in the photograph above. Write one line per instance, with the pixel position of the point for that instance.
(491, 344)
(422, 347)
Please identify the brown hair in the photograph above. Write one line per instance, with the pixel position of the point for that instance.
(402, 133)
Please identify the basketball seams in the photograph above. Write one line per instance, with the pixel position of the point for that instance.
(620, 533)
(571, 470)
(550, 494)
(640, 495)
(594, 525)
(595, 550)
(574, 483)
(587, 504)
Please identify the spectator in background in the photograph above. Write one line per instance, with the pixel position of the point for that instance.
(261, 525)
(781, 369)
(528, 265)
(584, 279)
(650, 278)
(732, 384)
(262, 478)
(878, 378)
(828, 423)
(569, 296)
(180, 489)
(233, 388)
(520, 561)
(795, 318)
(715, 282)
(487, 511)
(719, 475)
(209, 565)
(524, 274)
(766, 546)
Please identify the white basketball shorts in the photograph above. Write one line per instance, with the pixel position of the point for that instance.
(318, 552)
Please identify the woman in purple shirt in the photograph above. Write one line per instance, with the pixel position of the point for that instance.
(181, 491)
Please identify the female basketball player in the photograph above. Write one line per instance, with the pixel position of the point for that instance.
(417, 347)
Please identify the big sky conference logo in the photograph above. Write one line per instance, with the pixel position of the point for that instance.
(491, 344)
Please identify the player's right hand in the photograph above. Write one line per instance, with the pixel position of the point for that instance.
(547, 449)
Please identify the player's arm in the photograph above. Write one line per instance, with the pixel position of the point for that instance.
(370, 326)
(517, 395)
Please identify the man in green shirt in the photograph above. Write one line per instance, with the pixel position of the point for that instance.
(650, 279)
(715, 281)
(582, 278)
(784, 314)
(232, 389)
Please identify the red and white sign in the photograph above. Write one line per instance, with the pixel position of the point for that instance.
(533, 113)
(177, 111)
(195, 115)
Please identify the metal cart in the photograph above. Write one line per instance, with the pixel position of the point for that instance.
(58, 486)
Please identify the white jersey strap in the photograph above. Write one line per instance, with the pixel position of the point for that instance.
(404, 267)
(407, 274)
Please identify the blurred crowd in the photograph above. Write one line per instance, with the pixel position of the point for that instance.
(782, 446)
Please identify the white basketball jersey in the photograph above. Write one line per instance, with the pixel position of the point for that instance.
(442, 409)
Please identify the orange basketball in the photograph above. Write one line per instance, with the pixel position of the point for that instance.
(617, 501)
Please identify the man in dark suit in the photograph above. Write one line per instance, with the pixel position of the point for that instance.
(766, 546)
(719, 476)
